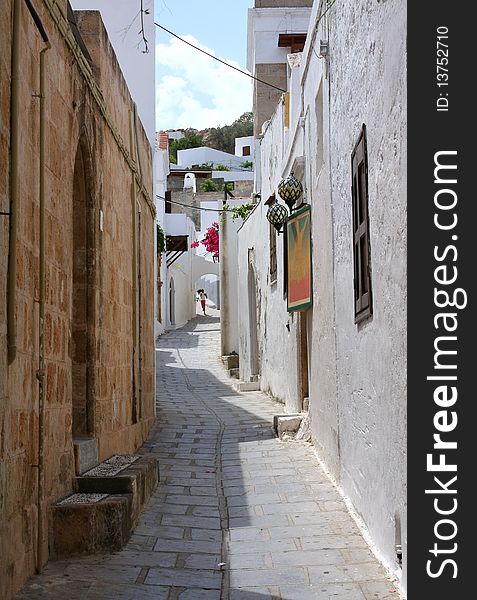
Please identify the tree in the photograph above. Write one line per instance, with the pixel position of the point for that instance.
(208, 185)
(190, 140)
(223, 138)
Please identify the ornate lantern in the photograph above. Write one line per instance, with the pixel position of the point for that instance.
(277, 214)
(290, 189)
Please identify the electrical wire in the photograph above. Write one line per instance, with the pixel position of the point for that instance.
(194, 207)
(219, 59)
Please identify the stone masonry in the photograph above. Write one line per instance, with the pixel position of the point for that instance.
(90, 348)
(238, 514)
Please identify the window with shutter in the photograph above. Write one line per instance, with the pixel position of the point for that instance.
(363, 307)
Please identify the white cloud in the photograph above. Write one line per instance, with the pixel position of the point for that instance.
(193, 90)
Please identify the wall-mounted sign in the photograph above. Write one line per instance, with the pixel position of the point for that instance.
(300, 293)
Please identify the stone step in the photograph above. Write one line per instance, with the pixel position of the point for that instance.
(123, 474)
(89, 524)
(102, 513)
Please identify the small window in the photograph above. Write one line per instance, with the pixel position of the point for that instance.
(168, 207)
(363, 307)
(246, 151)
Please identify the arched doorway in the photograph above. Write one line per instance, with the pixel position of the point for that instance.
(82, 309)
(253, 323)
(172, 302)
(210, 283)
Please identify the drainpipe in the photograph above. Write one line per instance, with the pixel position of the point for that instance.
(41, 338)
(137, 158)
(12, 255)
(134, 267)
(14, 160)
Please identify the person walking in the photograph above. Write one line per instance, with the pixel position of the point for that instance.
(202, 298)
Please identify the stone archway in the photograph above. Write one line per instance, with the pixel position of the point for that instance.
(253, 323)
(82, 300)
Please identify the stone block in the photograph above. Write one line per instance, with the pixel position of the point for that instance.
(231, 361)
(247, 386)
(86, 454)
(139, 479)
(283, 415)
(78, 528)
(289, 424)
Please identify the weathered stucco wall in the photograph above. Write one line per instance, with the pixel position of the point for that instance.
(368, 67)
(357, 373)
(276, 328)
(74, 127)
(179, 289)
(314, 84)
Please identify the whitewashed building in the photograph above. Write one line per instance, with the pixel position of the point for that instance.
(341, 128)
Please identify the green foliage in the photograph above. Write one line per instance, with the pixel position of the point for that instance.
(248, 164)
(190, 140)
(172, 159)
(208, 185)
(221, 168)
(242, 211)
(202, 167)
(223, 138)
(161, 240)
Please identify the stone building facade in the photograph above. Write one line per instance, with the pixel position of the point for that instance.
(89, 371)
(346, 369)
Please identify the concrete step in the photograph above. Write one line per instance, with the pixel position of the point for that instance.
(287, 423)
(247, 386)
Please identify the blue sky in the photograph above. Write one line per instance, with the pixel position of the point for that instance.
(193, 90)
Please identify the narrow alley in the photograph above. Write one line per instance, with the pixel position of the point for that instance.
(238, 514)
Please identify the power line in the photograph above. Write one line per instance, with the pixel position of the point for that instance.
(194, 207)
(219, 59)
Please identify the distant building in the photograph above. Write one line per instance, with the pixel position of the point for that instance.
(245, 147)
(208, 156)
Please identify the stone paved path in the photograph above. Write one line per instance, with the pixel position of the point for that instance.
(238, 515)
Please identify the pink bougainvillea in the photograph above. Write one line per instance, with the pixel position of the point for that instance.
(210, 241)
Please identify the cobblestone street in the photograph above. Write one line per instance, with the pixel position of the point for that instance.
(238, 514)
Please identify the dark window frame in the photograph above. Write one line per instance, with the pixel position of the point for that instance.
(363, 297)
(246, 151)
(168, 204)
